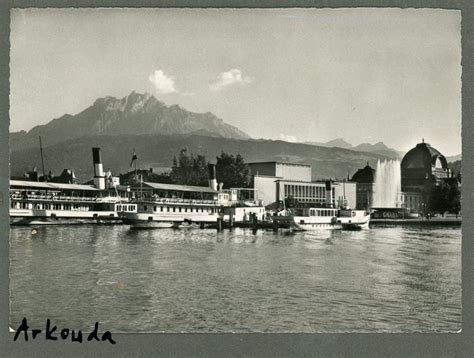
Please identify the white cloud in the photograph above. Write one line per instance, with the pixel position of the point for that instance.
(288, 138)
(232, 77)
(163, 84)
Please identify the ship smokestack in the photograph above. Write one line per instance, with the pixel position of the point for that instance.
(99, 178)
(212, 177)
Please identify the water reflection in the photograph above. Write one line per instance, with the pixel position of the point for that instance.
(382, 279)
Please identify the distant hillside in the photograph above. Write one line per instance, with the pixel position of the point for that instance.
(338, 142)
(152, 149)
(454, 158)
(378, 148)
(135, 114)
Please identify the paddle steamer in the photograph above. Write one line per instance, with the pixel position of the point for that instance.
(35, 202)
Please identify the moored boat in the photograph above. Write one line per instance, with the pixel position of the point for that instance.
(306, 219)
(172, 213)
(40, 203)
(49, 203)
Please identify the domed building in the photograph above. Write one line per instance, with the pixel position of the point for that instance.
(422, 169)
(423, 166)
(365, 179)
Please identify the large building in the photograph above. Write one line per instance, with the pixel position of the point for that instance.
(276, 181)
(422, 166)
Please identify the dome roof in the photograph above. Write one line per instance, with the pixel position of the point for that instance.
(423, 156)
(364, 175)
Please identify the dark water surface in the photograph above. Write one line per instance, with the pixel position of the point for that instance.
(392, 279)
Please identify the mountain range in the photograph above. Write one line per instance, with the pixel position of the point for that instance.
(158, 132)
(379, 148)
(134, 114)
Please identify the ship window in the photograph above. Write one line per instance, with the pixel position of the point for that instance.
(119, 207)
(145, 207)
(185, 210)
(161, 208)
(174, 210)
(179, 209)
(154, 208)
(168, 209)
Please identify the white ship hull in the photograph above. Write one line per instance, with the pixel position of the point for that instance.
(325, 223)
(167, 220)
(61, 217)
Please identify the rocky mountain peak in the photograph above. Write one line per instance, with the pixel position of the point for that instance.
(133, 103)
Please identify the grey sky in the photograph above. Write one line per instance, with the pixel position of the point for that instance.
(365, 75)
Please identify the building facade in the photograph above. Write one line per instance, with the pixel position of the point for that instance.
(275, 181)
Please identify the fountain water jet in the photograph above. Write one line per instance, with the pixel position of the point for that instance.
(387, 189)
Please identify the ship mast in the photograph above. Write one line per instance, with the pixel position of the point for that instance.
(42, 159)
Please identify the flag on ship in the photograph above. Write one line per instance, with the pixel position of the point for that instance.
(134, 158)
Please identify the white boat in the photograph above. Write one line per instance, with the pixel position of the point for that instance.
(47, 202)
(41, 203)
(163, 205)
(172, 213)
(323, 219)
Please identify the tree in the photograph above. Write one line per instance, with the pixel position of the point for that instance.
(233, 171)
(291, 202)
(189, 169)
(445, 197)
(438, 198)
(454, 198)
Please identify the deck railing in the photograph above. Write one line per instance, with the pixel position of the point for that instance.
(30, 197)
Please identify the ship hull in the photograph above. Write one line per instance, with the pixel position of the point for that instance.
(163, 221)
(62, 217)
(340, 223)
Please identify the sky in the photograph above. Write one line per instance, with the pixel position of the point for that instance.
(365, 75)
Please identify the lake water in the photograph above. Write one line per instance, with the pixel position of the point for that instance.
(386, 279)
